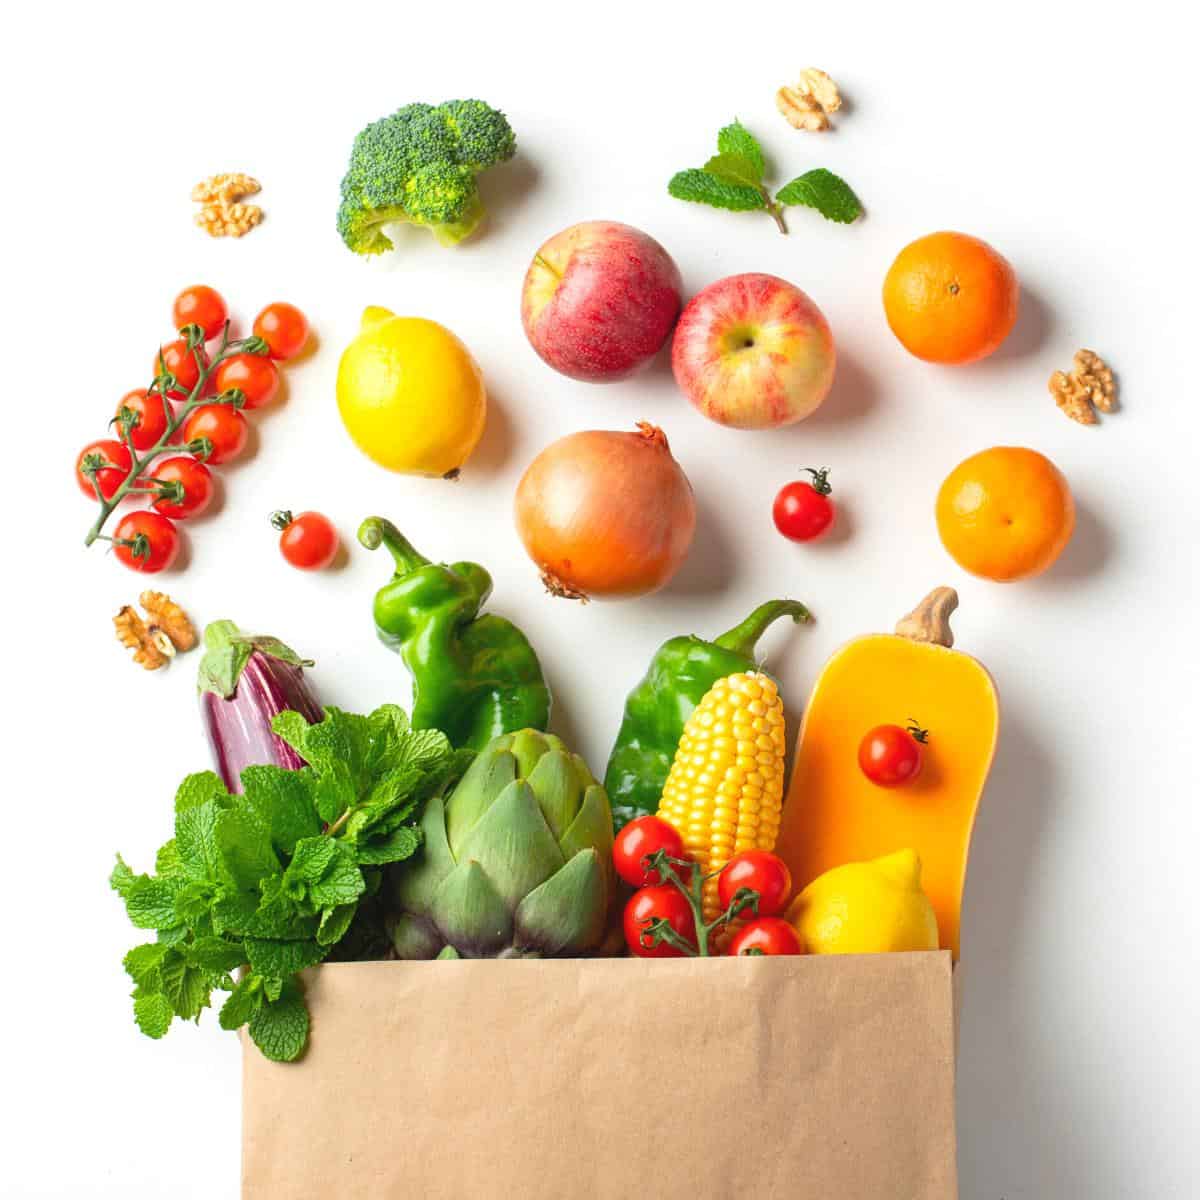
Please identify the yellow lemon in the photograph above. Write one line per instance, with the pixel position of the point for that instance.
(410, 394)
(867, 908)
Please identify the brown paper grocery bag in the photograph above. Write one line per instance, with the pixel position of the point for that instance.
(830, 1078)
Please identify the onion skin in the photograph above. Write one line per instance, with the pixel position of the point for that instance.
(606, 515)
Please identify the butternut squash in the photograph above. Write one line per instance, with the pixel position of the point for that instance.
(835, 815)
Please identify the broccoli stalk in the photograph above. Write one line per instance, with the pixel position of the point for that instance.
(420, 165)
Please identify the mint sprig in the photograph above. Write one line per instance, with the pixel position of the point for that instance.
(734, 179)
(255, 887)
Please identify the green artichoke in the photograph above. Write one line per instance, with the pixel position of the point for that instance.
(517, 861)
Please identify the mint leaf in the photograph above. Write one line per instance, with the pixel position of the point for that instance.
(702, 188)
(185, 986)
(142, 964)
(122, 878)
(242, 1003)
(196, 842)
(280, 1028)
(334, 923)
(396, 846)
(283, 802)
(737, 139)
(216, 955)
(150, 903)
(153, 1014)
(311, 860)
(826, 192)
(734, 168)
(342, 881)
(166, 861)
(271, 957)
(245, 847)
(199, 789)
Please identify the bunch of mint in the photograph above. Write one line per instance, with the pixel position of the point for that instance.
(280, 877)
(733, 179)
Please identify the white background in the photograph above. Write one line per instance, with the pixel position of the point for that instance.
(1057, 134)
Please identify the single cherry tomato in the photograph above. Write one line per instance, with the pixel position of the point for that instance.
(765, 935)
(150, 417)
(891, 755)
(308, 541)
(225, 428)
(190, 483)
(255, 374)
(203, 306)
(641, 837)
(109, 461)
(665, 902)
(283, 327)
(803, 511)
(180, 362)
(146, 541)
(762, 872)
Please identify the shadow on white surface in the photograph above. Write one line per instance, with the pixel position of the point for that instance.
(853, 396)
(712, 563)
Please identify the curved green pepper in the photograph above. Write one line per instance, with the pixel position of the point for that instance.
(474, 677)
(656, 710)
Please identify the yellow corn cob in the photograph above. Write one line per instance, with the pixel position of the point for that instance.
(724, 792)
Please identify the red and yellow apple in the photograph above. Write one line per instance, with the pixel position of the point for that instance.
(753, 352)
(600, 300)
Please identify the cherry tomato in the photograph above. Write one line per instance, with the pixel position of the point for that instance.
(641, 837)
(150, 417)
(663, 901)
(308, 541)
(146, 541)
(203, 306)
(766, 935)
(765, 873)
(803, 511)
(181, 362)
(891, 755)
(223, 425)
(113, 462)
(255, 374)
(194, 486)
(283, 327)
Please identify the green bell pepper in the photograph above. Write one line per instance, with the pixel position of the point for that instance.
(656, 710)
(474, 677)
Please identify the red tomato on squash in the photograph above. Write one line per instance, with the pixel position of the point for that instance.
(641, 837)
(890, 755)
(661, 901)
(763, 872)
(766, 935)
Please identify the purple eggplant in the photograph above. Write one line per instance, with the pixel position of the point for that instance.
(244, 680)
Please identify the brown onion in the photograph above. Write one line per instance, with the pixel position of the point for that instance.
(606, 514)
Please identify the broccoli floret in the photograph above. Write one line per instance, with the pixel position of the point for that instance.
(420, 165)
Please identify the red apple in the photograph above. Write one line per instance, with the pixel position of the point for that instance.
(599, 300)
(753, 352)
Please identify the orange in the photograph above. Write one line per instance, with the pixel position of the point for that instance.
(950, 298)
(1005, 513)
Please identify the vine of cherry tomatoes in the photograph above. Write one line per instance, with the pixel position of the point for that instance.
(204, 382)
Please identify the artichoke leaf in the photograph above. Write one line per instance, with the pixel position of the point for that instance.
(414, 937)
(558, 789)
(421, 875)
(567, 914)
(470, 915)
(529, 746)
(490, 773)
(592, 826)
(513, 844)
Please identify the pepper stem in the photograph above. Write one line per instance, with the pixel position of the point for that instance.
(379, 531)
(742, 639)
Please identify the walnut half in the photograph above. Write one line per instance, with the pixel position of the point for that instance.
(809, 103)
(155, 641)
(222, 212)
(1088, 386)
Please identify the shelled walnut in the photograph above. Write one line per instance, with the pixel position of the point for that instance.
(156, 640)
(809, 103)
(222, 212)
(1088, 386)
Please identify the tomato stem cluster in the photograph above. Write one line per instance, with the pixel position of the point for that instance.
(683, 874)
(163, 385)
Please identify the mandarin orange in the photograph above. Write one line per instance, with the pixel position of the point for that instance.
(950, 298)
(1005, 513)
